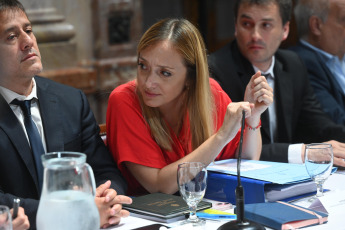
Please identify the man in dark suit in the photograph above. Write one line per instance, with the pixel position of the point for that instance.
(61, 115)
(295, 116)
(321, 29)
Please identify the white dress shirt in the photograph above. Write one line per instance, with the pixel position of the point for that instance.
(294, 151)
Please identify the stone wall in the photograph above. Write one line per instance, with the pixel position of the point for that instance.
(87, 44)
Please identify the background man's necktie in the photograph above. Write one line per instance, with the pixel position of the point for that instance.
(34, 137)
(267, 75)
(265, 117)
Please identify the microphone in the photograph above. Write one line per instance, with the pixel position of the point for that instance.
(241, 222)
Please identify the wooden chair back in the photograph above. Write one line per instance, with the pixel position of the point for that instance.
(103, 132)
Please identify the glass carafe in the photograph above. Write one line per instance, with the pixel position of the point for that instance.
(68, 193)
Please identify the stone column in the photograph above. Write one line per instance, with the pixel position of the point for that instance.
(53, 34)
(117, 27)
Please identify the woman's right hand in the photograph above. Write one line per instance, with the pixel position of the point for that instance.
(233, 118)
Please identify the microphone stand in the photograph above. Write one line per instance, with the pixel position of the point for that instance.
(240, 222)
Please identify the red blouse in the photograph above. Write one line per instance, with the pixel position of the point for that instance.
(129, 138)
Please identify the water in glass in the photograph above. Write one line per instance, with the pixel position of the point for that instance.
(191, 178)
(5, 218)
(319, 162)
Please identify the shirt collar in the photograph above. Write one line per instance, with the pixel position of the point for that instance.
(9, 95)
(326, 56)
(270, 69)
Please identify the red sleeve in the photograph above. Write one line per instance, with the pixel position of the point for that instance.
(222, 100)
(128, 136)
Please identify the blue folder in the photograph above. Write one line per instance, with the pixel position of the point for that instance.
(221, 187)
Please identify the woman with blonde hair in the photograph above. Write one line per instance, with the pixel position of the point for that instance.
(174, 113)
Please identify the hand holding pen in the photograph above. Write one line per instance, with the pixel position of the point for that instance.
(19, 220)
(16, 203)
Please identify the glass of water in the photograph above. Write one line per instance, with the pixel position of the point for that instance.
(5, 218)
(191, 178)
(319, 162)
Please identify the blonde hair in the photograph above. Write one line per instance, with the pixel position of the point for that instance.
(198, 102)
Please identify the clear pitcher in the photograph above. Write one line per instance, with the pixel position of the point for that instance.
(68, 193)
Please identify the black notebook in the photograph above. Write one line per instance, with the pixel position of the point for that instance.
(161, 207)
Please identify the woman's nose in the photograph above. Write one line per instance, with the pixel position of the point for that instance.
(151, 81)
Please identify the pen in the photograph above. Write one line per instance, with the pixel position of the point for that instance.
(16, 202)
(216, 216)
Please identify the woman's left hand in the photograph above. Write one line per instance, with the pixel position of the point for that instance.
(259, 93)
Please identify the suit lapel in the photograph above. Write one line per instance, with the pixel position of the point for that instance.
(336, 88)
(284, 104)
(333, 81)
(11, 126)
(51, 117)
(243, 67)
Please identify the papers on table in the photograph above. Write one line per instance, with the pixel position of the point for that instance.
(131, 223)
(334, 202)
(275, 172)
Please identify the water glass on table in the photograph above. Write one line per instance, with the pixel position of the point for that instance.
(5, 218)
(319, 162)
(191, 178)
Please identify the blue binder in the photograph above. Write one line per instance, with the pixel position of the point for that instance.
(221, 187)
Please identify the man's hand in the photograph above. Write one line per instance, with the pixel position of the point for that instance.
(21, 222)
(338, 153)
(259, 93)
(109, 205)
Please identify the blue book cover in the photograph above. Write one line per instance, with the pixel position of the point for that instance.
(281, 215)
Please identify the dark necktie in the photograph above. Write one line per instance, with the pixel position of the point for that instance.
(266, 75)
(34, 137)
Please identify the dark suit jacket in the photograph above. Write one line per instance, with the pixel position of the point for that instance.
(299, 116)
(326, 87)
(69, 125)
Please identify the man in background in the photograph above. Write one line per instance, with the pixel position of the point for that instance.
(321, 28)
(295, 117)
(37, 116)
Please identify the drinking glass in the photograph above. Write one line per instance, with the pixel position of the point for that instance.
(5, 218)
(319, 162)
(191, 179)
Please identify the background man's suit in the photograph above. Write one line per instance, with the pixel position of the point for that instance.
(299, 116)
(326, 87)
(69, 125)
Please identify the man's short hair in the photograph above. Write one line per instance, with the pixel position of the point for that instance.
(285, 7)
(11, 5)
(307, 8)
